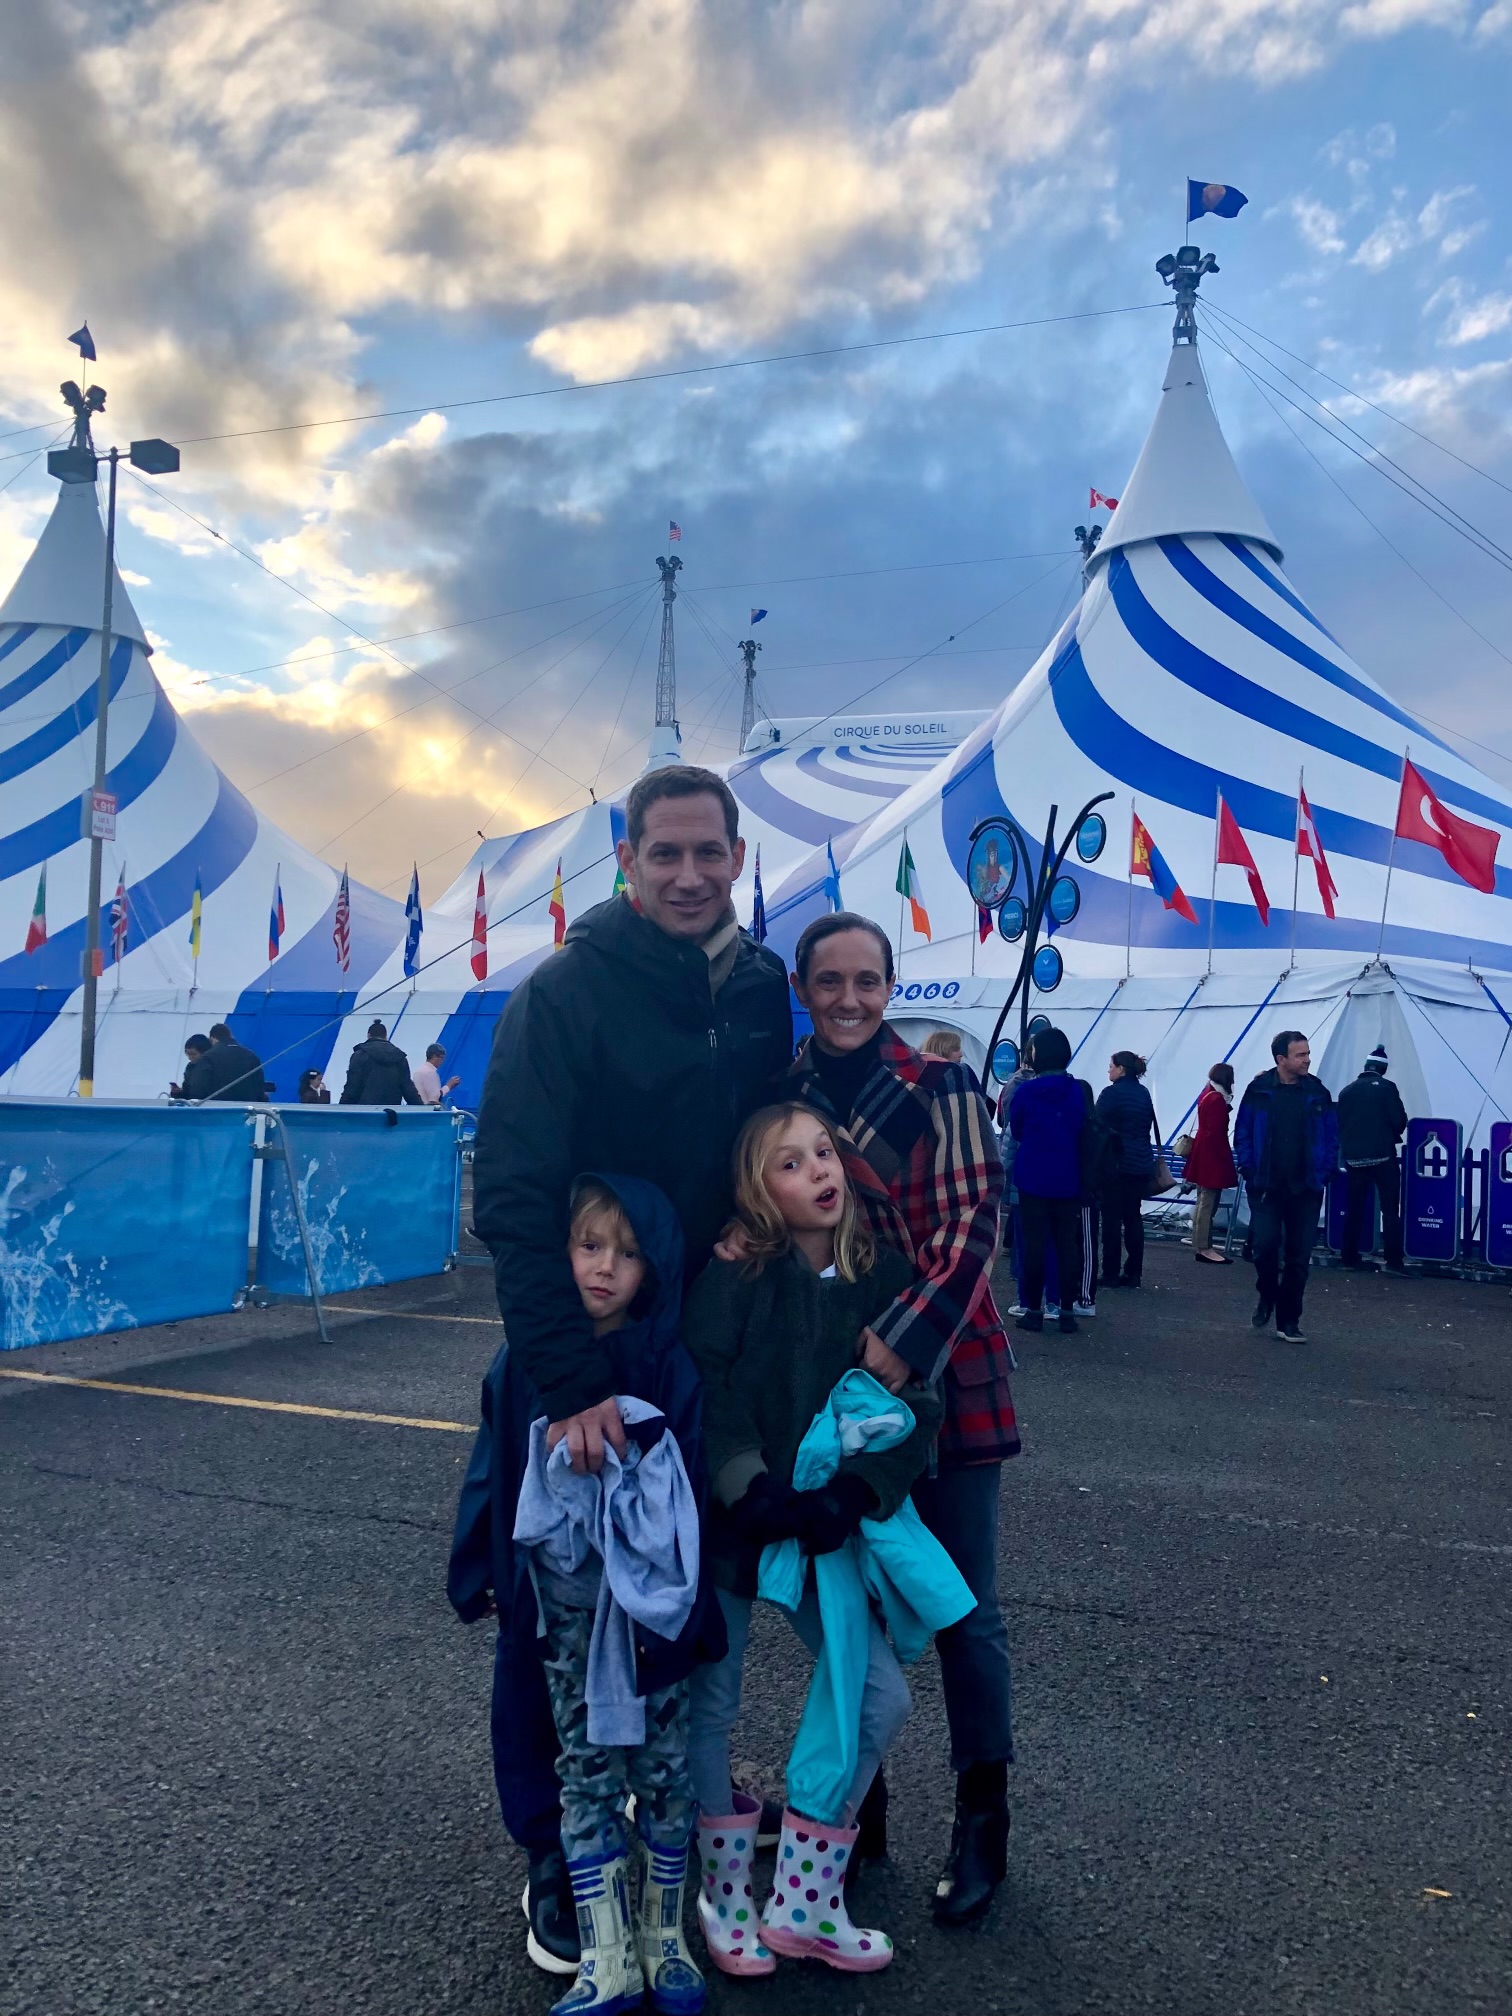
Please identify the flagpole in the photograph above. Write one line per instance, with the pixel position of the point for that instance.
(1296, 870)
(1129, 865)
(902, 899)
(1391, 850)
(1213, 893)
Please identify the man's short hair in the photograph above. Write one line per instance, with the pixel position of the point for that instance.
(376, 1029)
(197, 1044)
(1282, 1041)
(677, 780)
(219, 1033)
(432, 1052)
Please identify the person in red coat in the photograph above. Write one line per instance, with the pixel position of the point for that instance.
(1210, 1166)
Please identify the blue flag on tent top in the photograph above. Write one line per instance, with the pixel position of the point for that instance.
(1213, 199)
(85, 341)
(757, 614)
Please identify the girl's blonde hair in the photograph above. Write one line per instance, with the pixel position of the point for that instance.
(767, 1237)
(942, 1043)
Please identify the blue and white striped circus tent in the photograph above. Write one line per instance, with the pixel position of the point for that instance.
(1191, 667)
(178, 819)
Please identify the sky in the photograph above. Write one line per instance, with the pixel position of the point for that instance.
(443, 622)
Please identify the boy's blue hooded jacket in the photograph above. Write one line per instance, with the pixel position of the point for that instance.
(649, 1362)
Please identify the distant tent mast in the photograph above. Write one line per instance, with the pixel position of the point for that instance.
(748, 649)
(666, 736)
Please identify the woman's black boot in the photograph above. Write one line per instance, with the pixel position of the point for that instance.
(978, 1859)
(871, 1824)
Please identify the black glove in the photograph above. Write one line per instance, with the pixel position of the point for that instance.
(829, 1516)
(768, 1511)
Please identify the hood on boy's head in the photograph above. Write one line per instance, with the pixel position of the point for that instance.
(659, 1236)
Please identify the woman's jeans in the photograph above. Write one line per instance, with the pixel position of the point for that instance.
(714, 1704)
(1202, 1219)
(959, 1505)
(1121, 1214)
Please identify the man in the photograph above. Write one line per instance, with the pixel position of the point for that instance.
(1372, 1120)
(234, 1073)
(378, 1073)
(639, 1050)
(1286, 1143)
(428, 1077)
(198, 1072)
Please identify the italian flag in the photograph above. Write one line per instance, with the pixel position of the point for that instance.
(36, 931)
(557, 908)
(908, 885)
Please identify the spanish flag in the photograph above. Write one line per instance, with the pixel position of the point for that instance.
(907, 885)
(558, 908)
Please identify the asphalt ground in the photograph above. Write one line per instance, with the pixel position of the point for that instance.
(1260, 1601)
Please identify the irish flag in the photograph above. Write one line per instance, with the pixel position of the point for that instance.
(557, 908)
(908, 885)
(36, 931)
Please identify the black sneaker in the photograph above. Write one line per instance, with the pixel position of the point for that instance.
(1032, 1319)
(1263, 1312)
(1067, 1323)
(551, 1914)
(1291, 1336)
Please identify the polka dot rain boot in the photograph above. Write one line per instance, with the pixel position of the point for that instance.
(726, 1912)
(805, 1916)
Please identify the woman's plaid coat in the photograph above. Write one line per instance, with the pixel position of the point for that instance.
(923, 1133)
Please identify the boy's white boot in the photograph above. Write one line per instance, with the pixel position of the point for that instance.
(726, 1909)
(609, 1977)
(673, 1982)
(805, 1916)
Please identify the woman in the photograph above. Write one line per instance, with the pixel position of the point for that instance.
(312, 1089)
(946, 1044)
(1210, 1166)
(927, 1140)
(1047, 1118)
(1126, 1109)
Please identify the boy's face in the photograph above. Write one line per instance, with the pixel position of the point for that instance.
(607, 1267)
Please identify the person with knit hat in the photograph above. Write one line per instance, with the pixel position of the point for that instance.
(1372, 1120)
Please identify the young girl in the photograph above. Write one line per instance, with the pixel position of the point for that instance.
(772, 1334)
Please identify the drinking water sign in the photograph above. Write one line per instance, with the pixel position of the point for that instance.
(1431, 1190)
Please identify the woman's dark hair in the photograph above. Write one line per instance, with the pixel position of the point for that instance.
(1222, 1074)
(1050, 1050)
(308, 1077)
(828, 927)
(1130, 1065)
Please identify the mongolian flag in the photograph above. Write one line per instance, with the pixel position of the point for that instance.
(120, 919)
(480, 932)
(1469, 849)
(907, 885)
(196, 908)
(557, 908)
(1145, 859)
(1234, 852)
(276, 913)
(36, 931)
(758, 907)
(341, 931)
(414, 925)
(1310, 847)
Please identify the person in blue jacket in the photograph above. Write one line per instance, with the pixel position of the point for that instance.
(1047, 1117)
(624, 1232)
(1286, 1142)
(1126, 1109)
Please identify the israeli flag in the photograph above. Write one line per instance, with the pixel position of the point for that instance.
(415, 924)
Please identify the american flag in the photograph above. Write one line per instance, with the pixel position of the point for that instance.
(674, 530)
(341, 935)
(120, 919)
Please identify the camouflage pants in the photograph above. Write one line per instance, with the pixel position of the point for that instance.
(595, 1780)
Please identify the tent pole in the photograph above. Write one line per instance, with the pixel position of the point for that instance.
(1296, 870)
(1391, 851)
(1213, 894)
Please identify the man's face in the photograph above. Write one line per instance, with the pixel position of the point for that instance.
(684, 868)
(1295, 1064)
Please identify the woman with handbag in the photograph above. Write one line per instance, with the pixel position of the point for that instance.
(1210, 1161)
(1126, 1109)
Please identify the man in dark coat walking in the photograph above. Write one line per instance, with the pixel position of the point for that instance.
(1372, 1120)
(233, 1072)
(379, 1073)
(1286, 1143)
(641, 1047)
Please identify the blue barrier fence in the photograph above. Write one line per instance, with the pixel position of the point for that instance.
(116, 1214)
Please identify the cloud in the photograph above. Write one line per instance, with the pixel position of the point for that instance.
(1478, 319)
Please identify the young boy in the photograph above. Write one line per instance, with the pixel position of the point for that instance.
(617, 1646)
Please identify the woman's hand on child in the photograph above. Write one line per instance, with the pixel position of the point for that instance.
(883, 1363)
(586, 1434)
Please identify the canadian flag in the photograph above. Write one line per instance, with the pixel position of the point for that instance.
(480, 932)
(1310, 847)
(1234, 852)
(1097, 497)
(1470, 850)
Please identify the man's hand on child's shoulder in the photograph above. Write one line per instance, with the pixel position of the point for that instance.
(586, 1434)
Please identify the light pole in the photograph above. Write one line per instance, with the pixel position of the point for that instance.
(78, 463)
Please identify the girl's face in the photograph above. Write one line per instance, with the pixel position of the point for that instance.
(607, 1267)
(803, 1175)
(847, 990)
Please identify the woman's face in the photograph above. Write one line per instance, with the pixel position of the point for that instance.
(1115, 1070)
(847, 990)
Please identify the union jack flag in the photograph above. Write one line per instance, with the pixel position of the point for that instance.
(120, 920)
(341, 935)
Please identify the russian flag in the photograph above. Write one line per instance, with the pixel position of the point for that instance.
(276, 913)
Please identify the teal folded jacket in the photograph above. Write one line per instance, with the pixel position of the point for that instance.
(896, 1562)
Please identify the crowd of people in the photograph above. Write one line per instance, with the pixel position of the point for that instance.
(753, 1356)
(218, 1067)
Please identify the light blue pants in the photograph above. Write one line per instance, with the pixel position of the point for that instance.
(714, 1704)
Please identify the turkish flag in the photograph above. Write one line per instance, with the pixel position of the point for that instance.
(1470, 850)
(480, 933)
(1311, 848)
(1233, 852)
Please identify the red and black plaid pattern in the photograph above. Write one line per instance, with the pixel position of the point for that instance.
(931, 1180)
